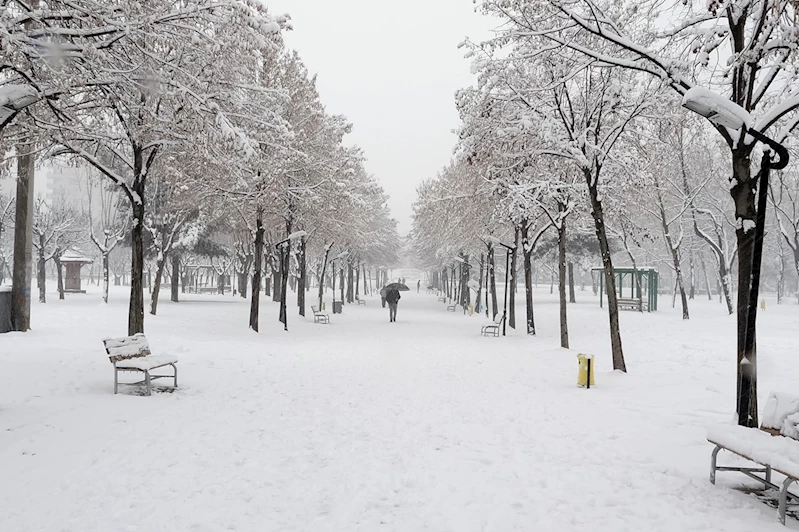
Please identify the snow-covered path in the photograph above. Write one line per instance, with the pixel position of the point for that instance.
(368, 425)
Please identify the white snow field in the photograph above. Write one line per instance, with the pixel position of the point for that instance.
(365, 425)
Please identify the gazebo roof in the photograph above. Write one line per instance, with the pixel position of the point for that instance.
(75, 256)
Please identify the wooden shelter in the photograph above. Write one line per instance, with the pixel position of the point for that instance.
(73, 261)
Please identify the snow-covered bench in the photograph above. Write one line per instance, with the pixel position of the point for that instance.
(320, 317)
(442, 299)
(361, 301)
(132, 353)
(631, 304)
(775, 446)
(451, 308)
(492, 329)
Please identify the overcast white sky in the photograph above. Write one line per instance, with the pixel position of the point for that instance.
(392, 68)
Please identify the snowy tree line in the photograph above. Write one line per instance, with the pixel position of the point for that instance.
(206, 137)
(575, 127)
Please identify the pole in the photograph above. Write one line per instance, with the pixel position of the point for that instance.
(749, 362)
(505, 309)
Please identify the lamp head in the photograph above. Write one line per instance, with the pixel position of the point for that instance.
(716, 108)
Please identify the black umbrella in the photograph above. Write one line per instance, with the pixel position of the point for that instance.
(396, 286)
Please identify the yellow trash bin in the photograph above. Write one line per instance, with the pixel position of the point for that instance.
(471, 310)
(585, 365)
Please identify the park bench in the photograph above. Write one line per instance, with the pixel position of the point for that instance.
(451, 308)
(361, 301)
(207, 290)
(774, 446)
(132, 353)
(631, 304)
(442, 299)
(492, 329)
(320, 317)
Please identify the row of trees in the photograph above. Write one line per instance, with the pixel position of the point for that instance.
(575, 122)
(202, 122)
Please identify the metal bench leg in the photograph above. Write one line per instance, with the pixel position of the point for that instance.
(713, 457)
(784, 498)
(768, 474)
(147, 382)
(176, 374)
(116, 379)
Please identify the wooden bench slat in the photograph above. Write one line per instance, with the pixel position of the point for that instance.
(132, 353)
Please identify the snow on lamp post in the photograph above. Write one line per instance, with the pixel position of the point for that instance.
(495, 240)
(723, 112)
(282, 247)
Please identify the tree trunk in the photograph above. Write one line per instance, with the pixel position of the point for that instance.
(528, 288)
(513, 260)
(105, 277)
(492, 281)
(136, 304)
(341, 284)
(303, 277)
(173, 285)
(41, 274)
(357, 281)
(275, 281)
(527, 255)
(322, 275)
(159, 272)
(285, 255)
(607, 264)
(675, 253)
(23, 241)
(692, 275)
(59, 274)
(707, 279)
(350, 294)
(564, 326)
(480, 285)
(242, 281)
(258, 254)
(570, 266)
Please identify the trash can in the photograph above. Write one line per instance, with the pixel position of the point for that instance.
(337, 306)
(585, 370)
(5, 309)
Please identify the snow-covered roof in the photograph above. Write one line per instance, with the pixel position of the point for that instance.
(72, 255)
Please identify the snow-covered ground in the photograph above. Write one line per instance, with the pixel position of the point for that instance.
(368, 425)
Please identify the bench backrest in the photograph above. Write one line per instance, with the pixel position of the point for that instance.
(135, 346)
(499, 318)
(315, 311)
(781, 415)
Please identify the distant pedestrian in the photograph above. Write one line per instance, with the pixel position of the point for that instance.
(383, 297)
(392, 297)
(403, 280)
(418, 285)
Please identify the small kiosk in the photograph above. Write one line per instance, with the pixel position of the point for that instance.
(73, 261)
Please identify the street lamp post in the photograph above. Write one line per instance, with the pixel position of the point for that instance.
(725, 113)
(509, 249)
(333, 265)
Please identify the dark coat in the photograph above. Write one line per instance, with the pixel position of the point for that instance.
(393, 296)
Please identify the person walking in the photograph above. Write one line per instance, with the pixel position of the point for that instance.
(392, 297)
(383, 297)
(418, 285)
